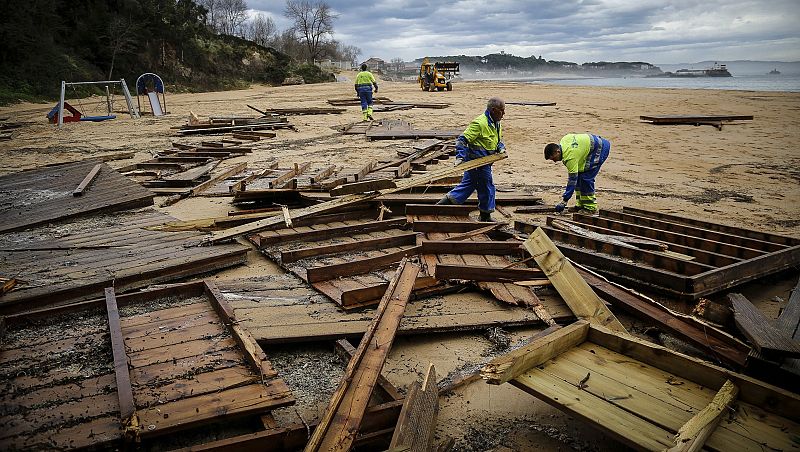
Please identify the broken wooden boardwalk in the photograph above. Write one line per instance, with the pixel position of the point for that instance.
(701, 259)
(643, 394)
(180, 361)
(45, 195)
(88, 255)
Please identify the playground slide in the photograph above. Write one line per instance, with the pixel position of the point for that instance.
(155, 105)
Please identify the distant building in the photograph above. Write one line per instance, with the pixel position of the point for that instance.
(375, 63)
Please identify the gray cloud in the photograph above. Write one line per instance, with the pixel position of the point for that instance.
(658, 31)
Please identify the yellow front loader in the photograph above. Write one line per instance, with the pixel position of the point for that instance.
(437, 76)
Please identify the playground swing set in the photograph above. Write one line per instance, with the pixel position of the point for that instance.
(147, 84)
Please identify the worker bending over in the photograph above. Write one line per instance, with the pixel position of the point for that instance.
(583, 154)
(482, 137)
(364, 83)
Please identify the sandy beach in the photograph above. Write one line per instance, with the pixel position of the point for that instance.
(747, 174)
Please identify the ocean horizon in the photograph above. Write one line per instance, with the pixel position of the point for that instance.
(784, 83)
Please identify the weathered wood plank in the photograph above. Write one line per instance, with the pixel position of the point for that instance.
(583, 302)
(356, 267)
(408, 238)
(519, 361)
(486, 273)
(81, 188)
(762, 333)
(127, 406)
(692, 435)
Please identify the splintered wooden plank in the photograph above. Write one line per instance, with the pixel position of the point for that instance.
(486, 273)
(339, 426)
(760, 330)
(356, 267)
(127, 406)
(719, 345)
(513, 364)
(582, 300)
(408, 238)
(692, 435)
(79, 191)
(691, 119)
(470, 247)
(346, 200)
(363, 187)
(308, 234)
(416, 424)
(346, 351)
(449, 210)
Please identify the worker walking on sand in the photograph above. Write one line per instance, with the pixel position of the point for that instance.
(583, 154)
(482, 137)
(365, 81)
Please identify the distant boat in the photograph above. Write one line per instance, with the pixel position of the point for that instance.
(774, 72)
(717, 70)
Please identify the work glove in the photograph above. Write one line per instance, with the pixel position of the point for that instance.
(501, 148)
(458, 162)
(560, 207)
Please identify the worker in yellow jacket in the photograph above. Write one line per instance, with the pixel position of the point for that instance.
(365, 81)
(583, 154)
(482, 137)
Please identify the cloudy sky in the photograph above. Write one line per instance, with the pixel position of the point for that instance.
(656, 31)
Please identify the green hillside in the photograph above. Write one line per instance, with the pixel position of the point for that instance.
(45, 42)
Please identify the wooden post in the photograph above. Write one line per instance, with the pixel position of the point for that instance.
(416, 424)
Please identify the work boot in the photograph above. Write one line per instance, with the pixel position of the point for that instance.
(583, 211)
(365, 115)
(369, 113)
(445, 201)
(486, 217)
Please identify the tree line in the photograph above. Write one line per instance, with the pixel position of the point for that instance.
(193, 45)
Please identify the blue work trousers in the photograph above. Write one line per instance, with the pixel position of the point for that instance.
(365, 94)
(479, 179)
(584, 192)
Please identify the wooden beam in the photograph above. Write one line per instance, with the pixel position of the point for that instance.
(236, 169)
(475, 232)
(580, 298)
(280, 236)
(347, 351)
(403, 184)
(486, 273)
(127, 406)
(448, 226)
(693, 434)
(323, 174)
(717, 344)
(513, 364)
(416, 424)
(762, 333)
(449, 210)
(248, 345)
(357, 267)
(363, 187)
(484, 247)
(87, 180)
(406, 238)
(339, 425)
(289, 174)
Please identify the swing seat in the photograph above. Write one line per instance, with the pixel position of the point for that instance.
(96, 118)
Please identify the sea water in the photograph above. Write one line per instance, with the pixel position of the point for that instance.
(789, 83)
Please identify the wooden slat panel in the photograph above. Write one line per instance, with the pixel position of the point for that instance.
(760, 330)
